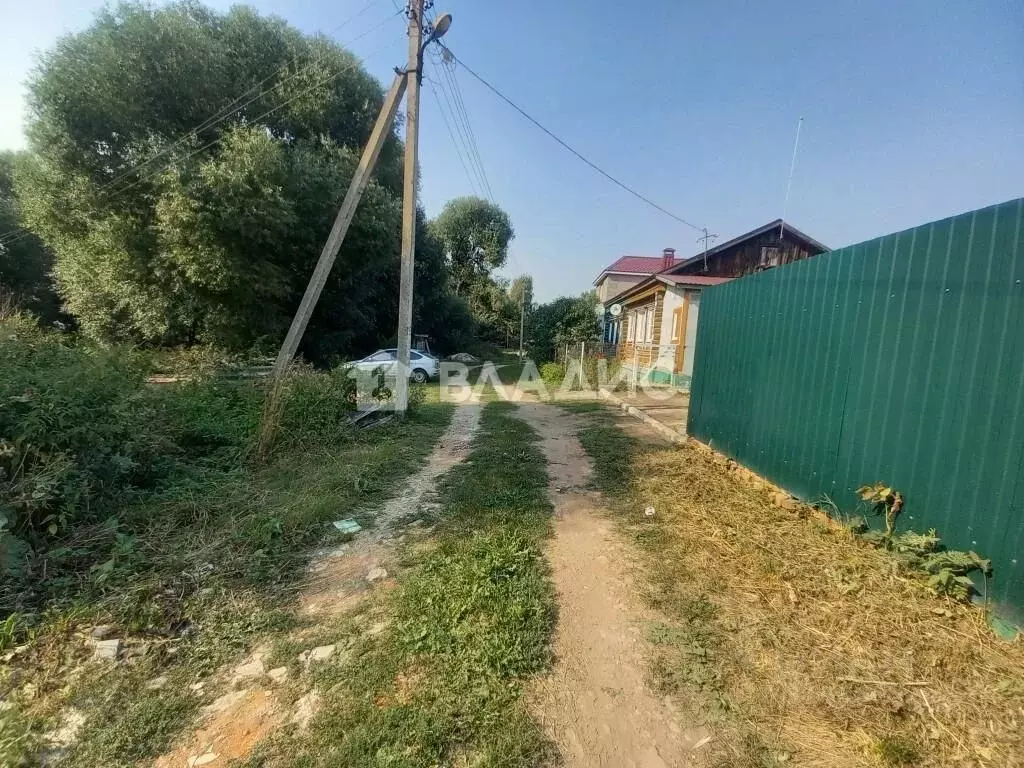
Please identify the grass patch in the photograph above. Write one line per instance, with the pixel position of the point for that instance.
(611, 450)
(208, 567)
(795, 639)
(470, 622)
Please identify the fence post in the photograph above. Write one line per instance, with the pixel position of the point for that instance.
(583, 378)
(633, 388)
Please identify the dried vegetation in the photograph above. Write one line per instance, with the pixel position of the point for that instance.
(803, 644)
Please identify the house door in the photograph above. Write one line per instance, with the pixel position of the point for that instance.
(679, 317)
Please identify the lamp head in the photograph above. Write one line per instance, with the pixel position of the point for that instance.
(441, 26)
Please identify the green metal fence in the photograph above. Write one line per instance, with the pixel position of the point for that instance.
(898, 359)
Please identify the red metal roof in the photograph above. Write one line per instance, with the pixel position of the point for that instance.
(645, 265)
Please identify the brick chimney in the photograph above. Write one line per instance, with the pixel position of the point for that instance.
(668, 258)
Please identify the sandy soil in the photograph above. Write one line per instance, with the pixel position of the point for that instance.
(337, 581)
(595, 704)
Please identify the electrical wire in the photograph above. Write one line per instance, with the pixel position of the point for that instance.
(256, 119)
(463, 141)
(461, 104)
(567, 146)
(451, 135)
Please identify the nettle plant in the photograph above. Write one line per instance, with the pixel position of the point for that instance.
(950, 570)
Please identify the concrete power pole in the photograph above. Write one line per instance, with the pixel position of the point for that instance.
(341, 224)
(413, 74)
(522, 319)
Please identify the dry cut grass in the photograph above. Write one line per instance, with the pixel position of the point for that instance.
(831, 646)
(807, 646)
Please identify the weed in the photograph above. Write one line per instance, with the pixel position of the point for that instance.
(895, 751)
(193, 568)
(950, 570)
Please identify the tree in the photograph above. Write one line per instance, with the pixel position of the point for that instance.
(475, 235)
(25, 263)
(566, 320)
(160, 240)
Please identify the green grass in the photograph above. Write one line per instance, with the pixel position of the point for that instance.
(211, 570)
(611, 450)
(469, 623)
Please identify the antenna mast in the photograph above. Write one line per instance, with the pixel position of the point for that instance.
(789, 183)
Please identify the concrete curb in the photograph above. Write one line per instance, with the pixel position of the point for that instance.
(663, 429)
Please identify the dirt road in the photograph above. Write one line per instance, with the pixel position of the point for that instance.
(596, 704)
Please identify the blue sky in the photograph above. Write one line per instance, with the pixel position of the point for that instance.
(912, 111)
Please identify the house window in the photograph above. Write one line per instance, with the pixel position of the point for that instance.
(677, 324)
(649, 325)
(771, 256)
(631, 327)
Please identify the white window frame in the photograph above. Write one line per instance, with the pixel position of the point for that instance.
(649, 326)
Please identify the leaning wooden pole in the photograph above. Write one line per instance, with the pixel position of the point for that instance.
(272, 405)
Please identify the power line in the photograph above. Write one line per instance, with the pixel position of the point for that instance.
(451, 135)
(463, 137)
(259, 117)
(453, 83)
(449, 84)
(565, 145)
(217, 120)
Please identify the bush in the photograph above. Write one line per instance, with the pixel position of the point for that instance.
(67, 444)
(90, 453)
(553, 374)
(316, 406)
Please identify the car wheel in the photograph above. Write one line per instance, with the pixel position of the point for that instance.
(419, 376)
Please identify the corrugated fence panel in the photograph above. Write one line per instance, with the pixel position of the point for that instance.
(899, 359)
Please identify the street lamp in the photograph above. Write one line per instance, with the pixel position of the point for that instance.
(437, 32)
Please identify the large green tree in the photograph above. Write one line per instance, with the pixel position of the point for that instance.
(25, 263)
(165, 234)
(475, 235)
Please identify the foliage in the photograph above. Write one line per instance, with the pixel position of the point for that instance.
(885, 502)
(84, 440)
(949, 569)
(474, 235)
(214, 245)
(25, 263)
(552, 374)
(565, 320)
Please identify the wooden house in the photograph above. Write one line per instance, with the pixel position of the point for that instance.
(653, 324)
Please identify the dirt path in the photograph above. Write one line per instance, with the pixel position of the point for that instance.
(338, 580)
(596, 705)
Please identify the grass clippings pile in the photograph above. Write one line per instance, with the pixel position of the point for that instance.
(805, 645)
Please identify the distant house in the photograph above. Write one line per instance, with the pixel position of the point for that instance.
(627, 271)
(653, 322)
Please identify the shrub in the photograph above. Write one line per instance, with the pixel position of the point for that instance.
(67, 443)
(90, 454)
(316, 406)
(553, 374)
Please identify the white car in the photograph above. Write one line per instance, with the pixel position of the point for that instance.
(422, 367)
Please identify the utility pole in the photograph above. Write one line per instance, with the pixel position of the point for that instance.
(522, 319)
(413, 74)
(408, 79)
(381, 129)
(341, 224)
